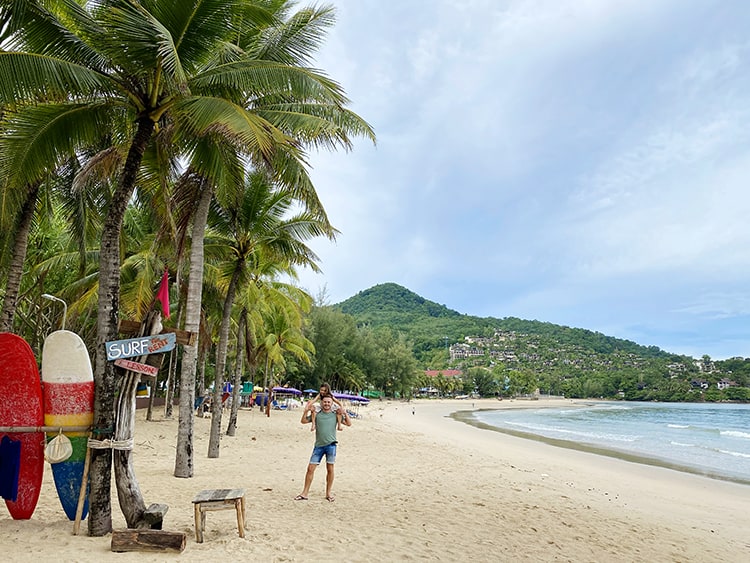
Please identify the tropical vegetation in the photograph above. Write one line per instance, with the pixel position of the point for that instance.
(511, 356)
(144, 113)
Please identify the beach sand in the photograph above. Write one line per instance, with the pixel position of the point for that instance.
(409, 486)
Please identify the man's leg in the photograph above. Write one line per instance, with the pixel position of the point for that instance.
(329, 480)
(308, 479)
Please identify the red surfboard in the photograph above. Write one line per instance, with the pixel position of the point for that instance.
(21, 405)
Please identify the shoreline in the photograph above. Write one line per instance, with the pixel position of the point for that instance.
(466, 417)
(412, 483)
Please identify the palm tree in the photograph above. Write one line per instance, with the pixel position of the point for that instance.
(75, 74)
(282, 335)
(255, 301)
(251, 229)
(300, 103)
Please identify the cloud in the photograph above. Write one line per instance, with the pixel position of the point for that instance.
(576, 161)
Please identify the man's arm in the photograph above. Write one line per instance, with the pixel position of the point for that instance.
(345, 418)
(305, 419)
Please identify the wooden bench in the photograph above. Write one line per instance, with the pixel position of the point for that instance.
(218, 499)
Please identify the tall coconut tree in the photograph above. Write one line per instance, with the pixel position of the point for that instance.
(296, 100)
(253, 227)
(255, 301)
(77, 72)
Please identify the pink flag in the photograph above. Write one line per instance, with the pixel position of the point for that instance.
(163, 294)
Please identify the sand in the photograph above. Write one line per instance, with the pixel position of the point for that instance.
(409, 486)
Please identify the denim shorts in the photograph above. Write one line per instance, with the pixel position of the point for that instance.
(319, 451)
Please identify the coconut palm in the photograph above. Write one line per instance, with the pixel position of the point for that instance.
(310, 111)
(282, 335)
(254, 227)
(75, 74)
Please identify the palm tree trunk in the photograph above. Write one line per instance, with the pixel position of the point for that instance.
(232, 426)
(100, 504)
(266, 386)
(183, 465)
(214, 438)
(170, 385)
(171, 372)
(15, 269)
(202, 379)
(150, 410)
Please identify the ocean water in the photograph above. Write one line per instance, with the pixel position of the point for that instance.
(708, 439)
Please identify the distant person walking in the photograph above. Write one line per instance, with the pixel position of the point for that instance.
(325, 444)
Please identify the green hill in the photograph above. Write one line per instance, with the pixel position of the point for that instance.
(428, 324)
(511, 355)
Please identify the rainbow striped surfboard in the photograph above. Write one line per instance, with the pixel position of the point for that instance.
(68, 401)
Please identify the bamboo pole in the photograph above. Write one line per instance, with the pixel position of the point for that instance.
(82, 492)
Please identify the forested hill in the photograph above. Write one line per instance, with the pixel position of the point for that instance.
(430, 325)
(391, 299)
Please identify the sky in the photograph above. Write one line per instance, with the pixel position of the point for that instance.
(579, 162)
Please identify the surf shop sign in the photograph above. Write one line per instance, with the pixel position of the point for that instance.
(141, 346)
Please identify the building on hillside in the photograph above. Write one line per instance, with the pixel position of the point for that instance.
(464, 351)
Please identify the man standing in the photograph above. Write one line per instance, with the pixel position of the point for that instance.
(325, 444)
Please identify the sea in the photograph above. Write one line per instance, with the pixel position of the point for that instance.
(703, 438)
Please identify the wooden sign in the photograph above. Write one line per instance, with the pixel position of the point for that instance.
(156, 344)
(184, 337)
(137, 367)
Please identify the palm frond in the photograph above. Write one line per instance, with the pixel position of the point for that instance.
(42, 137)
(56, 29)
(319, 125)
(246, 131)
(34, 77)
(295, 40)
(249, 79)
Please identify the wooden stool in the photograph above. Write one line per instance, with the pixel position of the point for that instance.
(218, 499)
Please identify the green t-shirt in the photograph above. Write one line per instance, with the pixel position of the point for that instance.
(325, 428)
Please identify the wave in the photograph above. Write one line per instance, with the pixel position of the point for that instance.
(682, 445)
(735, 434)
(678, 426)
(540, 428)
(735, 454)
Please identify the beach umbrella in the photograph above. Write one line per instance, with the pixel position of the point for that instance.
(290, 390)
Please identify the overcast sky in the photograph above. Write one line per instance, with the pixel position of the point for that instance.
(582, 162)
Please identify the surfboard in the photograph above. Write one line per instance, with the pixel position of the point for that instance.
(68, 401)
(21, 405)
